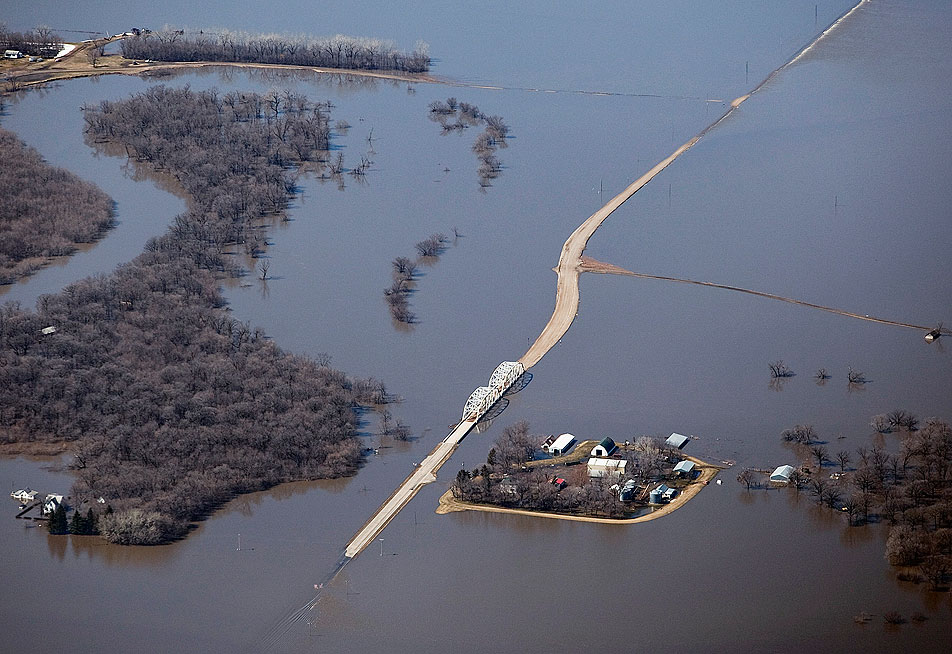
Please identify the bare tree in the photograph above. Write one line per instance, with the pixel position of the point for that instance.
(855, 377)
(880, 424)
(264, 265)
(778, 369)
(747, 478)
(820, 453)
(843, 458)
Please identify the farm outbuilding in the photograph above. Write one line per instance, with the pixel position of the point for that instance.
(684, 468)
(605, 448)
(657, 496)
(781, 475)
(562, 445)
(677, 441)
(598, 467)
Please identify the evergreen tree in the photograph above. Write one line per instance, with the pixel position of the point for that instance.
(77, 525)
(58, 524)
(91, 528)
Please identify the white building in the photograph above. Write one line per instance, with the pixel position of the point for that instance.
(12, 54)
(562, 445)
(24, 495)
(52, 501)
(598, 467)
(605, 448)
(781, 475)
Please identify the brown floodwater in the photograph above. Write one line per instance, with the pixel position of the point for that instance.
(830, 185)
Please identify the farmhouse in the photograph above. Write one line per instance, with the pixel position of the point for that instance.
(24, 495)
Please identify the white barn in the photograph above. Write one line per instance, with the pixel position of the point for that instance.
(605, 448)
(561, 445)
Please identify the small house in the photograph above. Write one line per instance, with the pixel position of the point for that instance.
(657, 496)
(781, 475)
(676, 441)
(684, 469)
(562, 445)
(46, 331)
(558, 482)
(508, 485)
(52, 501)
(12, 54)
(628, 491)
(24, 495)
(606, 447)
(547, 443)
(669, 494)
(598, 467)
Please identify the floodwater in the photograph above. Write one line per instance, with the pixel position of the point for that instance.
(829, 185)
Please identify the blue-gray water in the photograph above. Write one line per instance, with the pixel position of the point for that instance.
(830, 185)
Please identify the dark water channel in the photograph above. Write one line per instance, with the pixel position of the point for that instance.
(830, 185)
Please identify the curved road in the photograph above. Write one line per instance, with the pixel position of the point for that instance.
(570, 264)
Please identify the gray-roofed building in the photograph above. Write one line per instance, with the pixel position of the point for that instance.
(684, 468)
(676, 440)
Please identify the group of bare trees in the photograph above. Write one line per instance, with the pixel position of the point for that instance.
(404, 274)
(780, 371)
(464, 116)
(906, 483)
(41, 41)
(335, 52)
(169, 406)
(44, 211)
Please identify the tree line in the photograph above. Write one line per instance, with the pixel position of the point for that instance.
(41, 41)
(907, 486)
(338, 51)
(45, 211)
(456, 116)
(170, 406)
(404, 275)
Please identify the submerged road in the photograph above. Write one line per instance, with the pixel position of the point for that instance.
(423, 474)
(570, 264)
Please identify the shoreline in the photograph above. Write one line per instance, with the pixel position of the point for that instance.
(449, 504)
(56, 71)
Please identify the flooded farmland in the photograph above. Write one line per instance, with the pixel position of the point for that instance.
(829, 185)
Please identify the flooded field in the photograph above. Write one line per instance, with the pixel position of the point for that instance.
(829, 186)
